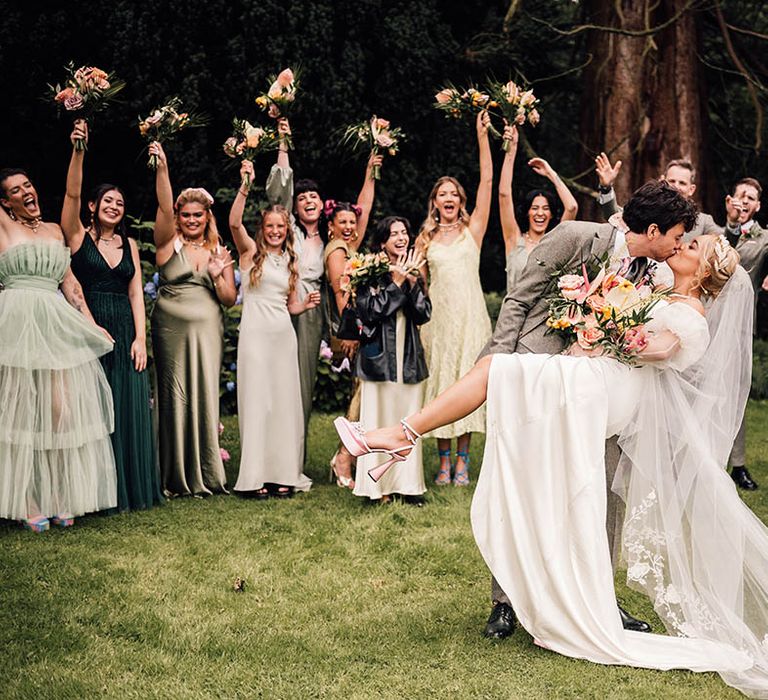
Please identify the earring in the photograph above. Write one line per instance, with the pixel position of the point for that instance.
(12, 215)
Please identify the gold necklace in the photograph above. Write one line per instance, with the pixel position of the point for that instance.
(194, 244)
(33, 225)
(107, 240)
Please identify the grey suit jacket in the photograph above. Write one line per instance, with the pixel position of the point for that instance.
(753, 249)
(521, 326)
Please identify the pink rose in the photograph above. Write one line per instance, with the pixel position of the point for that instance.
(384, 140)
(73, 102)
(64, 95)
(382, 123)
(520, 117)
(534, 117)
(230, 147)
(445, 96)
(273, 111)
(285, 78)
(570, 286)
(225, 456)
(589, 336)
(635, 340)
(527, 99)
(596, 302)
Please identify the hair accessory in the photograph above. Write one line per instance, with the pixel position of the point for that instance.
(197, 190)
(722, 246)
(328, 206)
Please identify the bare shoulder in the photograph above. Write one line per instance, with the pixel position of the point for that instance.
(51, 230)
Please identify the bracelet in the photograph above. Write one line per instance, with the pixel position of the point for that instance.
(244, 192)
(604, 189)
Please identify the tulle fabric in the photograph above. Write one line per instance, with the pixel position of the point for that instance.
(690, 542)
(56, 411)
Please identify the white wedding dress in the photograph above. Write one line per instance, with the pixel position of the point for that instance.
(538, 513)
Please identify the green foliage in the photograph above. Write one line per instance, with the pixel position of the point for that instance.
(759, 370)
(333, 389)
(493, 302)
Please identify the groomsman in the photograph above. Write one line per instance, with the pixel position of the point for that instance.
(751, 242)
(679, 173)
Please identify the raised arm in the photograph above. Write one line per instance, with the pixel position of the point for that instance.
(165, 226)
(606, 176)
(245, 244)
(570, 207)
(478, 221)
(280, 179)
(71, 225)
(509, 228)
(136, 299)
(365, 200)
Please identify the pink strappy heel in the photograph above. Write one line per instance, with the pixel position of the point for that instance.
(353, 437)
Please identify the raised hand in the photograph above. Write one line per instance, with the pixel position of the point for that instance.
(510, 137)
(606, 173)
(218, 261)
(398, 271)
(733, 210)
(483, 123)
(246, 175)
(157, 154)
(283, 128)
(79, 133)
(541, 167)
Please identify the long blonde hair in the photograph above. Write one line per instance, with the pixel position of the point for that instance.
(260, 254)
(211, 239)
(430, 225)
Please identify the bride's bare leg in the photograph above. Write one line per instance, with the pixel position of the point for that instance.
(459, 400)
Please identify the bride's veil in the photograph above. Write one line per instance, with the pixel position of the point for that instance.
(689, 541)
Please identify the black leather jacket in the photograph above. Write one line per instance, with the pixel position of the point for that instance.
(377, 309)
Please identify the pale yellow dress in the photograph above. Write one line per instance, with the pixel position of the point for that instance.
(460, 326)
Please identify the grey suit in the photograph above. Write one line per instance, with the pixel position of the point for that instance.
(753, 249)
(522, 328)
(705, 224)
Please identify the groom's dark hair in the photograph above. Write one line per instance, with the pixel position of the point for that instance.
(657, 202)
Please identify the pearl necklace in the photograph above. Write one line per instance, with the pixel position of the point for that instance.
(33, 224)
(194, 244)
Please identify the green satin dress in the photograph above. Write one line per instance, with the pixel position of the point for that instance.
(187, 337)
(106, 293)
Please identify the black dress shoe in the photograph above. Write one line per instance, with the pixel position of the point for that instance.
(743, 478)
(632, 623)
(501, 622)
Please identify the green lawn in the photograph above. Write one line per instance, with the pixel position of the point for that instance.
(342, 600)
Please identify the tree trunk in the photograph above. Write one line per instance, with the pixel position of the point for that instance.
(644, 103)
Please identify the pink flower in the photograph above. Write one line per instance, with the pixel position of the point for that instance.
(221, 427)
(73, 102)
(225, 456)
(445, 96)
(230, 147)
(596, 302)
(325, 351)
(285, 78)
(513, 92)
(273, 111)
(534, 117)
(385, 140)
(382, 123)
(570, 286)
(520, 117)
(64, 95)
(527, 99)
(589, 336)
(635, 340)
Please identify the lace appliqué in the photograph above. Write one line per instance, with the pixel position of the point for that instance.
(645, 548)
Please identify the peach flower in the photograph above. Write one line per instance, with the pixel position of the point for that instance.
(570, 286)
(285, 78)
(65, 94)
(445, 96)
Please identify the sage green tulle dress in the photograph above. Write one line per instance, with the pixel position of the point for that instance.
(106, 292)
(55, 403)
(188, 340)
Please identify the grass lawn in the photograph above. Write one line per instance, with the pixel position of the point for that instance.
(342, 600)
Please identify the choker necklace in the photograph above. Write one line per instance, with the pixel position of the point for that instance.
(107, 240)
(32, 224)
(194, 244)
(310, 236)
(276, 258)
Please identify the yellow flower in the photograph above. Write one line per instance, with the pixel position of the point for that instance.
(626, 286)
(606, 312)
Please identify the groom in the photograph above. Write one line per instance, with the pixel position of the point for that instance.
(656, 217)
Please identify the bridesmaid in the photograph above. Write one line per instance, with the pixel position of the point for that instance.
(310, 236)
(390, 363)
(539, 209)
(346, 229)
(268, 390)
(451, 239)
(196, 278)
(106, 263)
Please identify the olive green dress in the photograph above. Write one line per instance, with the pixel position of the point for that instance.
(106, 293)
(187, 337)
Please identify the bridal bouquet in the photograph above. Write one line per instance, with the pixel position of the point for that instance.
(248, 141)
(606, 312)
(362, 269)
(516, 105)
(278, 101)
(455, 103)
(376, 134)
(85, 91)
(167, 121)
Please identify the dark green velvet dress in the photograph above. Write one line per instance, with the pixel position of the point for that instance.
(106, 293)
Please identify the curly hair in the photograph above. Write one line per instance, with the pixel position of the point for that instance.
(431, 224)
(260, 254)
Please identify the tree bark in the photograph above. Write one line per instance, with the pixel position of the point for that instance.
(645, 103)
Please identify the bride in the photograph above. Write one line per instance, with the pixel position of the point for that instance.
(690, 543)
